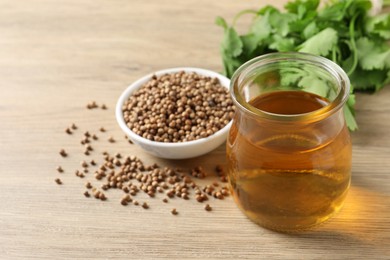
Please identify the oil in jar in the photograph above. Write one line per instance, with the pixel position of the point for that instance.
(288, 180)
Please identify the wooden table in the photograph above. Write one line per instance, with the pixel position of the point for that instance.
(56, 56)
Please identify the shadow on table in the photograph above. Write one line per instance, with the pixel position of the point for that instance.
(363, 224)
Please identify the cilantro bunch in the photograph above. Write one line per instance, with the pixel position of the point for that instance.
(341, 31)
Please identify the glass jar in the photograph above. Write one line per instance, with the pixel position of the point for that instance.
(289, 150)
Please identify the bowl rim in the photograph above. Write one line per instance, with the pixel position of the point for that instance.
(224, 81)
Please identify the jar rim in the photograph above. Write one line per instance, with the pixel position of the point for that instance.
(335, 70)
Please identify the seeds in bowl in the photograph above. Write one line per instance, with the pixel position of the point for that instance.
(178, 107)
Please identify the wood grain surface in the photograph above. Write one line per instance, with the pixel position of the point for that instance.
(56, 56)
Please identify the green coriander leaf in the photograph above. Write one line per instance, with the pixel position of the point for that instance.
(350, 118)
(301, 7)
(361, 6)
(335, 11)
(306, 12)
(310, 30)
(231, 43)
(347, 64)
(230, 65)
(311, 83)
(282, 44)
(281, 22)
(321, 43)
(351, 100)
(367, 79)
(379, 25)
(261, 28)
(267, 9)
(250, 43)
(221, 22)
(372, 55)
(290, 76)
(341, 30)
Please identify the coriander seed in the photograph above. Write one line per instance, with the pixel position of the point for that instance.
(63, 153)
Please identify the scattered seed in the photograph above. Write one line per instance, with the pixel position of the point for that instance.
(225, 192)
(218, 195)
(208, 207)
(84, 164)
(126, 197)
(68, 131)
(96, 194)
(129, 174)
(63, 153)
(88, 147)
(92, 105)
(104, 107)
(219, 168)
(223, 178)
(102, 196)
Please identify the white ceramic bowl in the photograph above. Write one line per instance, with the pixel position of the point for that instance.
(181, 150)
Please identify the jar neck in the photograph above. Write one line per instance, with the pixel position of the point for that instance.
(267, 73)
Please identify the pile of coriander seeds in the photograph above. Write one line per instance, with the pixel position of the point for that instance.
(178, 107)
(128, 175)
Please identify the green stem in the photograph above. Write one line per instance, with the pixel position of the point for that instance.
(353, 44)
(334, 54)
(247, 11)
